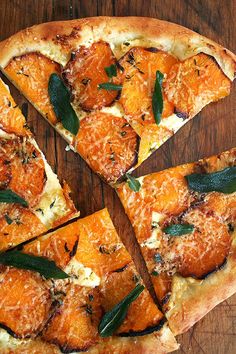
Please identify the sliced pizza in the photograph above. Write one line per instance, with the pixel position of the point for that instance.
(31, 198)
(91, 302)
(184, 219)
(117, 88)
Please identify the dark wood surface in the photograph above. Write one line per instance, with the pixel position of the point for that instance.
(210, 132)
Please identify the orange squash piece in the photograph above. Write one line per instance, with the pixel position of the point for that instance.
(31, 72)
(222, 205)
(108, 144)
(142, 314)
(205, 249)
(17, 224)
(192, 84)
(5, 172)
(25, 302)
(27, 168)
(162, 286)
(138, 78)
(99, 245)
(59, 246)
(85, 71)
(11, 118)
(74, 326)
(164, 192)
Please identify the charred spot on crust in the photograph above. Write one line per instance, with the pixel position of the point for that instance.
(74, 249)
(146, 331)
(165, 299)
(152, 49)
(64, 39)
(9, 331)
(119, 270)
(182, 115)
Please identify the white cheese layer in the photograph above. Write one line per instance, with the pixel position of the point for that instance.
(82, 275)
(153, 242)
(52, 204)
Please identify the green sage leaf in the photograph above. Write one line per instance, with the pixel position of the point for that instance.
(157, 98)
(41, 265)
(133, 183)
(115, 317)
(111, 70)
(60, 100)
(222, 181)
(178, 229)
(8, 196)
(109, 86)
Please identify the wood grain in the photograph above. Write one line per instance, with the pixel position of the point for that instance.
(211, 132)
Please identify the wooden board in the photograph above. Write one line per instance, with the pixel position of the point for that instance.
(210, 133)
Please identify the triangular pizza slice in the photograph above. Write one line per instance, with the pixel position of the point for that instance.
(131, 83)
(66, 315)
(32, 200)
(184, 219)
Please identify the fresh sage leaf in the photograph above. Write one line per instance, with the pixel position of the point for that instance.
(41, 265)
(178, 229)
(109, 86)
(222, 181)
(157, 99)
(60, 100)
(8, 196)
(133, 183)
(115, 317)
(111, 70)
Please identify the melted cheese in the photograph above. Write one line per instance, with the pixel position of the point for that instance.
(52, 204)
(153, 242)
(116, 110)
(82, 275)
(173, 122)
(5, 135)
(7, 341)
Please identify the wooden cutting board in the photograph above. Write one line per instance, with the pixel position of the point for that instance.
(211, 132)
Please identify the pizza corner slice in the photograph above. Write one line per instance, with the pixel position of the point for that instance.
(66, 314)
(184, 219)
(117, 88)
(31, 198)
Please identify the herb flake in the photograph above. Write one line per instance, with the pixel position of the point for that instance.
(111, 71)
(178, 229)
(133, 183)
(8, 219)
(109, 86)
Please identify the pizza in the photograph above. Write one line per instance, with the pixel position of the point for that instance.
(116, 88)
(39, 315)
(32, 200)
(184, 219)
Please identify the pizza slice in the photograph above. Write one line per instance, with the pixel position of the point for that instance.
(65, 315)
(184, 219)
(31, 198)
(117, 88)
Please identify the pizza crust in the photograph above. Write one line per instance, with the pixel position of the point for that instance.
(192, 299)
(57, 39)
(160, 342)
